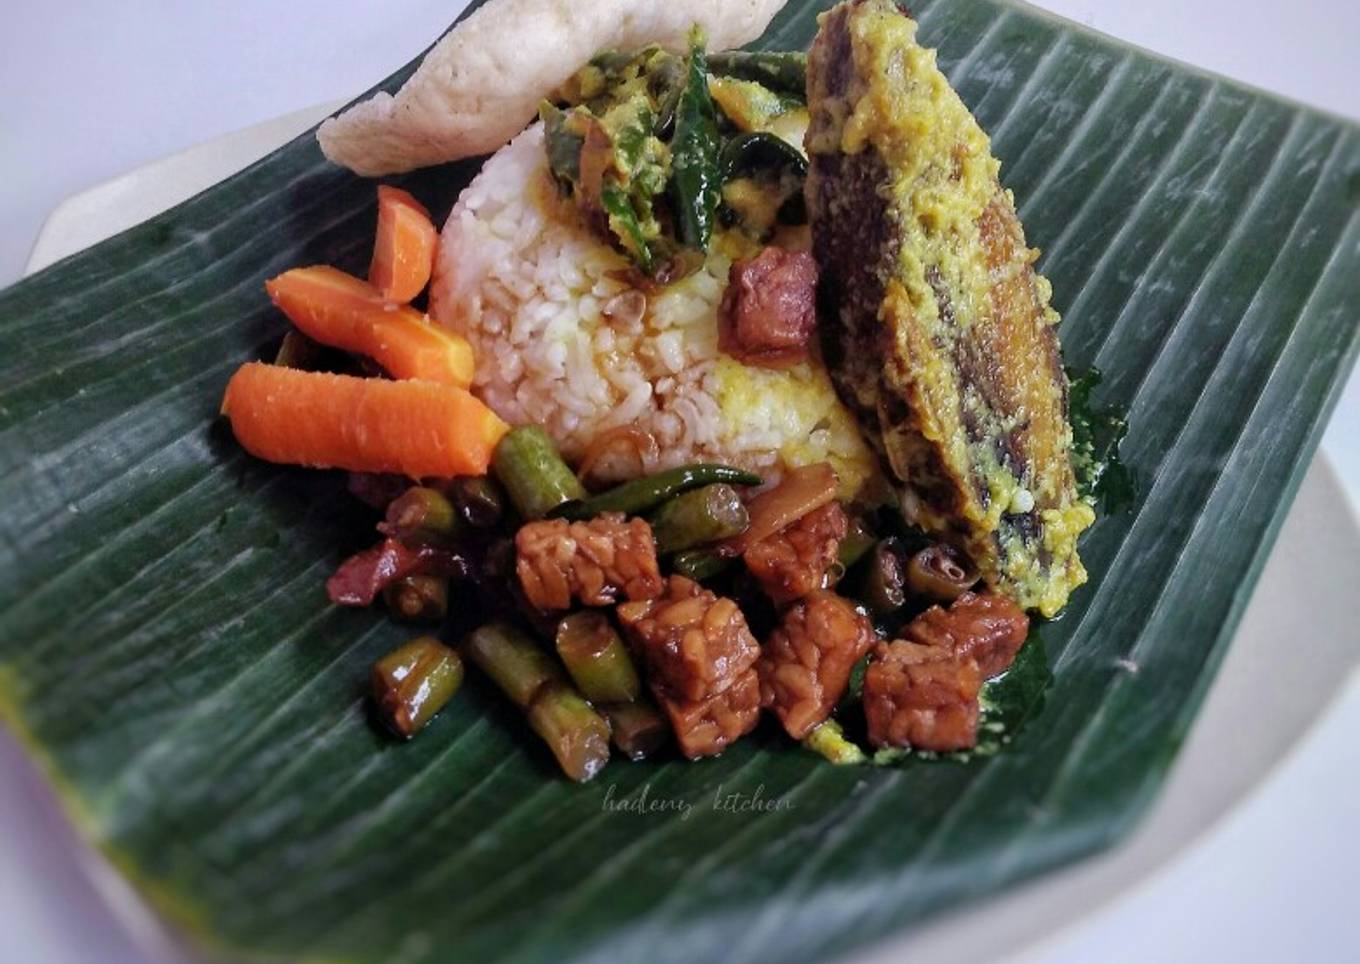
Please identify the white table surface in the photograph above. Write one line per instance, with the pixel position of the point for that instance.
(92, 89)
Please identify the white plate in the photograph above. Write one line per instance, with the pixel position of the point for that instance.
(68, 905)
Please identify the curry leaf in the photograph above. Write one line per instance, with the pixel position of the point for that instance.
(695, 179)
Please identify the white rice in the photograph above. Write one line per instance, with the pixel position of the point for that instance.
(525, 283)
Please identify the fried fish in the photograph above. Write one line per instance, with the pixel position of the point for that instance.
(937, 329)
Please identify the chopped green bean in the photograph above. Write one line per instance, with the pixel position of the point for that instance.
(882, 588)
(639, 729)
(297, 351)
(513, 661)
(527, 464)
(858, 541)
(596, 658)
(829, 740)
(940, 572)
(418, 599)
(576, 734)
(479, 501)
(700, 564)
(698, 517)
(642, 495)
(414, 682)
(421, 516)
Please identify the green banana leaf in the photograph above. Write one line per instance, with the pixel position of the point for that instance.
(168, 655)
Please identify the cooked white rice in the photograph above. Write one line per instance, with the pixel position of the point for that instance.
(528, 286)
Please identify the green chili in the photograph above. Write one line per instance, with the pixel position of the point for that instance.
(642, 495)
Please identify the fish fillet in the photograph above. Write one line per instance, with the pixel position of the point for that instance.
(482, 83)
(937, 329)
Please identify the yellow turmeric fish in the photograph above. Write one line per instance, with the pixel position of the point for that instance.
(937, 329)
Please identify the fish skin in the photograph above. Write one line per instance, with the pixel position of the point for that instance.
(936, 328)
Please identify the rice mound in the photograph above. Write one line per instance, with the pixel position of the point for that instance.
(531, 289)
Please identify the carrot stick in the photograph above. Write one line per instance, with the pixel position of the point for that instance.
(403, 252)
(346, 312)
(415, 428)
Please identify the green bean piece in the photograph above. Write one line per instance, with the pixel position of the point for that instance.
(479, 501)
(940, 572)
(700, 564)
(576, 734)
(414, 682)
(884, 585)
(857, 542)
(829, 740)
(699, 517)
(596, 658)
(695, 180)
(639, 729)
(297, 351)
(418, 599)
(535, 477)
(513, 661)
(854, 688)
(642, 495)
(422, 516)
(784, 72)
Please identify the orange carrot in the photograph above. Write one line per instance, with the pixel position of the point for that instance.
(415, 428)
(403, 252)
(345, 312)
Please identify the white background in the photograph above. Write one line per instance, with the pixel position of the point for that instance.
(91, 89)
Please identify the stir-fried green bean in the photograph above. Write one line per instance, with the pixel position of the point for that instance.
(639, 729)
(883, 587)
(297, 351)
(596, 658)
(418, 599)
(940, 572)
(701, 564)
(513, 661)
(421, 516)
(698, 517)
(479, 501)
(576, 734)
(829, 740)
(535, 477)
(858, 541)
(642, 495)
(414, 682)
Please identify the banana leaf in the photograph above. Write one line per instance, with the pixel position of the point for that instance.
(168, 656)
